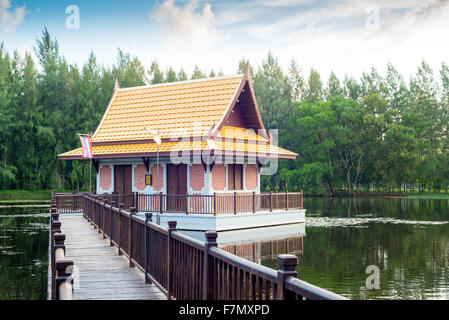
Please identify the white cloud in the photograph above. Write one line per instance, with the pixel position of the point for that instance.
(186, 25)
(335, 36)
(329, 36)
(10, 19)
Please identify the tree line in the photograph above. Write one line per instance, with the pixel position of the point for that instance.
(373, 133)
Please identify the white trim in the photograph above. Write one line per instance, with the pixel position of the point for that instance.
(223, 222)
(230, 105)
(189, 187)
(165, 84)
(243, 176)
(226, 177)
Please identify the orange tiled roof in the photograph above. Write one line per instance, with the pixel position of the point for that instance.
(148, 148)
(180, 109)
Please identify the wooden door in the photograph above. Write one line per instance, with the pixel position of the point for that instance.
(123, 184)
(235, 177)
(176, 187)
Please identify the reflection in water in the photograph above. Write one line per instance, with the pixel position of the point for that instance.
(256, 251)
(23, 252)
(408, 239)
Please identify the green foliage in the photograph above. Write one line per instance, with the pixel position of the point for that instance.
(376, 133)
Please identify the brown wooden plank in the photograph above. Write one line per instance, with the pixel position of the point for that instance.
(101, 273)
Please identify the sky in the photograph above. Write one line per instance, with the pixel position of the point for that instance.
(344, 36)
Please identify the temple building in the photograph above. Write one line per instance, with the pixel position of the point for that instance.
(212, 140)
(188, 115)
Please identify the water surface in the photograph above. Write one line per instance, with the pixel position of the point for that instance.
(407, 239)
(23, 250)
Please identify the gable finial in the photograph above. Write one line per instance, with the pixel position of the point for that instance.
(117, 85)
(247, 69)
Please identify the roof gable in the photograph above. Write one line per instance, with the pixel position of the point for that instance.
(177, 109)
(243, 111)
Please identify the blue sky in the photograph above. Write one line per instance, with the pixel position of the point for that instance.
(346, 36)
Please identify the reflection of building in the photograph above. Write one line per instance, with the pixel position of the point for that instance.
(256, 251)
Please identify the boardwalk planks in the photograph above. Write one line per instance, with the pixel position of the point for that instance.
(101, 273)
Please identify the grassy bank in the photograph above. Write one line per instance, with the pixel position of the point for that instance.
(414, 195)
(26, 194)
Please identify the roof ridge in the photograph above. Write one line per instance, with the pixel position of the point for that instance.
(180, 82)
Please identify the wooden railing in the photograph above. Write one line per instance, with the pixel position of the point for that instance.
(69, 202)
(218, 203)
(185, 268)
(61, 284)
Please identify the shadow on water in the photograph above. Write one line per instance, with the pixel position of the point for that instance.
(23, 252)
(407, 239)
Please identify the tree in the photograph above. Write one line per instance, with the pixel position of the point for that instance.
(273, 94)
(155, 73)
(296, 81)
(333, 87)
(314, 90)
(170, 75)
(197, 74)
(7, 171)
(182, 75)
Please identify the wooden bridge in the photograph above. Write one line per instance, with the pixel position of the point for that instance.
(112, 253)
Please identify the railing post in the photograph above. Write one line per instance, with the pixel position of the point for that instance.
(235, 202)
(100, 212)
(301, 199)
(208, 268)
(57, 240)
(88, 208)
(110, 222)
(215, 203)
(171, 229)
(160, 203)
(287, 268)
(104, 217)
(85, 207)
(271, 201)
(254, 201)
(119, 226)
(53, 218)
(148, 217)
(132, 212)
(55, 228)
(73, 201)
(187, 204)
(64, 273)
(286, 200)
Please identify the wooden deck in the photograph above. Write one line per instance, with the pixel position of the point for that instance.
(100, 273)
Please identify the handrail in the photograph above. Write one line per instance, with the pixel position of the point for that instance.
(303, 288)
(215, 204)
(186, 268)
(61, 267)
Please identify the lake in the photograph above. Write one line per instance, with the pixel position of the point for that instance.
(23, 250)
(407, 239)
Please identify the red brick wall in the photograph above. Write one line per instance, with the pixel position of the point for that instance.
(250, 177)
(105, 177)
(139, 177)
(197, 177)
(160, 185)
(219, 177)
